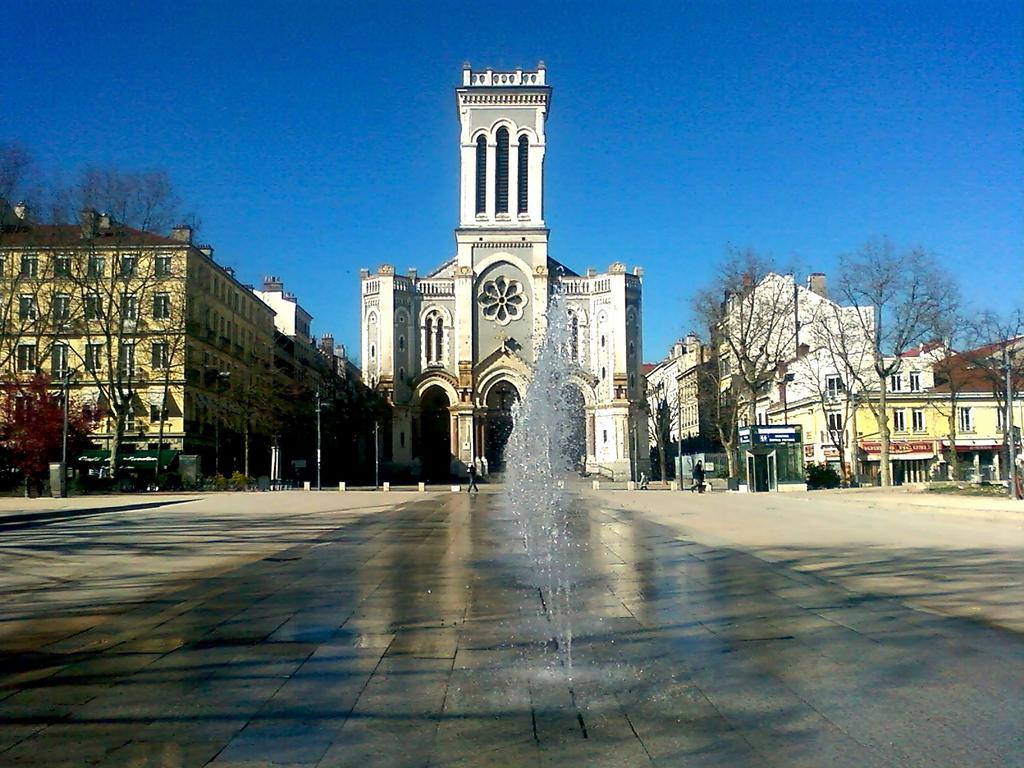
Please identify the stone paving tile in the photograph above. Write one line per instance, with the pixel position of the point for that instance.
(418, 637)
(162, 754)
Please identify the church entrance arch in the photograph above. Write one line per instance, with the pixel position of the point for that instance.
(435, 447)
(498, 422)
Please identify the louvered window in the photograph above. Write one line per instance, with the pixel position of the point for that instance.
(524, 174)
(501, 173)
(481, 175)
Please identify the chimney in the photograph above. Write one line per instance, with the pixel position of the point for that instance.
(206, 250)
(411, 273)
(88, 218)
(816, 284)
(273, 284)
(327, 344)
(182, 233)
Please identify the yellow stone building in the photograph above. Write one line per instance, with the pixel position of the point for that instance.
(173, 349)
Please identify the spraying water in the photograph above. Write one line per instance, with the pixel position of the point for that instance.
(540, 453)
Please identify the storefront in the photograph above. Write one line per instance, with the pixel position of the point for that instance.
(771, 458)
(980, 459)
(912, 461)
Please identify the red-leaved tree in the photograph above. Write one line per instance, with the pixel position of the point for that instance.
(32, 425)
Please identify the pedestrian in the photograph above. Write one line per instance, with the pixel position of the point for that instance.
(472, 479)
(698, 478)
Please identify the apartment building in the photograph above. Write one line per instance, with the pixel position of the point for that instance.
(171, 347)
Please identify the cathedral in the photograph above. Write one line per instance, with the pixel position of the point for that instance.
(452, 350)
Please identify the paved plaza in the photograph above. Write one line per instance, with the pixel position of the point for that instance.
(405, 629)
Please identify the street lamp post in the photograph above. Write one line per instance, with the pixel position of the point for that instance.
(1011, 465)
(318, 485)
(376, 454)
(64, 435)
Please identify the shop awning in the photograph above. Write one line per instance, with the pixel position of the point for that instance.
(138, 459)
(92, 456)
(148, 458)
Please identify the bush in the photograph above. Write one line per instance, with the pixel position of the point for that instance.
(822, 476)
(239, 482)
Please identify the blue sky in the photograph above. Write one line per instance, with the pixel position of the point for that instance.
(317, 138)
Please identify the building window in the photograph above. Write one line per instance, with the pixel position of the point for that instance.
(373, 352)
(156, 413)
(61, 307)
(128, 266)
(93, 306)
(574, 337)
(96, 266)
(834, 386)
(433, 338)
(965, 419)
(159, 359)
(481, 175)
(896, 383)
(59, 361)
(27, 307)
(524, 174)
(93, 357)
(129, 307)
(26, 358)
(501, 172)
(604, 434)
(915, 381)
(917, 418)
(401, 343)
(899, 420)
(835, 427)
(126, 359)
(161, 306)
(29, 266)
(61, 266)
(162, 265)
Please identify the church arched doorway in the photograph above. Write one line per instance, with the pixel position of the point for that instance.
(574, 442)
(435, 448)
(498, 423)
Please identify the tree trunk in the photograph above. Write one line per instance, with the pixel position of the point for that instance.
(246, 449)
(115, 443)
(883, 434)
(951, 457)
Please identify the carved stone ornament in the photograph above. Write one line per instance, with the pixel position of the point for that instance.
(502, 300)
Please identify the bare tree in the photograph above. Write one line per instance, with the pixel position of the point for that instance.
(954, 375)
(659, 424)
(718, 400)
(750, 309)
(909, 295)
(1000, 363)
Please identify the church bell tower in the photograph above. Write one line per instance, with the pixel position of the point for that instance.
(502, 115)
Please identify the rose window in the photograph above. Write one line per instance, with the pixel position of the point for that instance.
(502, 300)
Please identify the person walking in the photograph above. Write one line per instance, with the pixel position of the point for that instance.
(698, 478)
(472, 479)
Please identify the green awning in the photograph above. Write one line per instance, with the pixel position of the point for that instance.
(137, 460)
(147, 458)
(93, 456)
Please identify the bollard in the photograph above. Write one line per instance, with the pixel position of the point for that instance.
(387, 486)
(422, 487)
(595, 484)
(630, 485)
(306, 486)
(341, 486)
(455, 489)
(673, 485)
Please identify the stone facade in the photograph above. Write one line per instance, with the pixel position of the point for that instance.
(453, 350)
